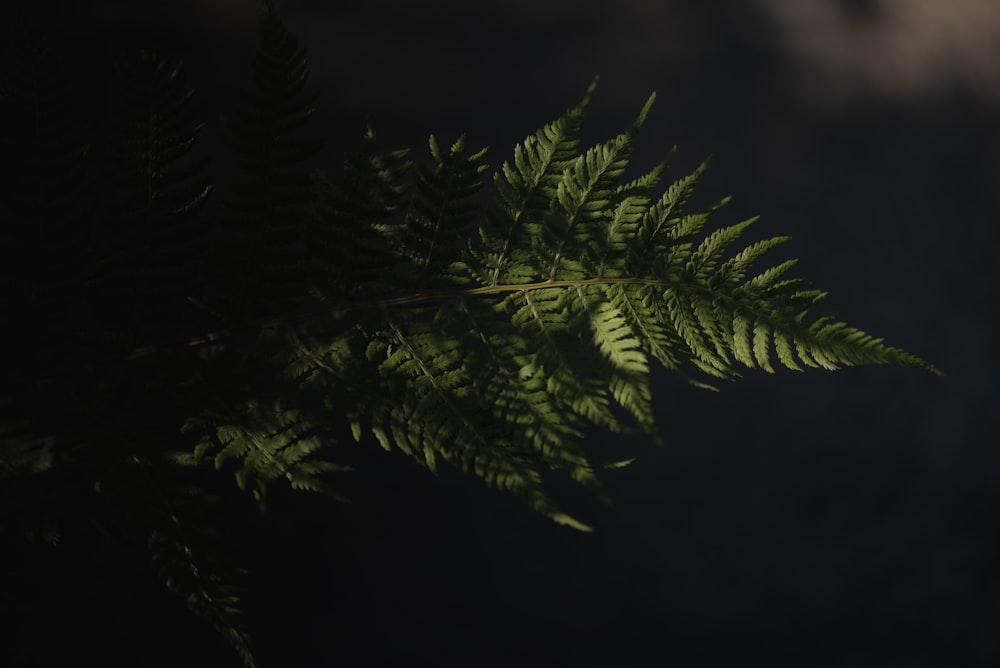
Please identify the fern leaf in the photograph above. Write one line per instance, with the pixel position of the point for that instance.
(541, 315)
(606, 255)
(761, 346)
(152, 267)
(583, 277)
(658, 222)
(269, 442)
(349, 227)
(583, 194)
(442, 214)
(182, 556)
(627, 369)
(732, 271)
(257, 262)
(522, 196)
(704, 259)
(742, 349)
(439, 415)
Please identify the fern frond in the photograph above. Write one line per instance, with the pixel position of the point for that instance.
(185, 557)
(605, 257)
(205, 593)
(349, 227)
(442, 215)
(152, 265)
(258, 262)
(268, 441)
(583, 195)
(517, 395)
(568, 368)
(355, 298)
(626, 368)
(583, 277)
(522, 197)
(509, 386)
(646, 314)
(435, 412)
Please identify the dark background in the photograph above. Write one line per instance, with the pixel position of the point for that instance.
(844, 519)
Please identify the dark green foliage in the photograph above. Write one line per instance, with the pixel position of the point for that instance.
(256, 263)
(154, 239)
(442, 216)
(544, 325)
(80, 290)
(353, 218)
(383, 297)
(268, 441)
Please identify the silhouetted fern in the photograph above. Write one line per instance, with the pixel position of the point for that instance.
(155, 240)
(256, 263)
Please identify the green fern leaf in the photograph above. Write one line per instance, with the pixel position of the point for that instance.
(583, 194)
(442, 215)
(523, 192)
(348, 228)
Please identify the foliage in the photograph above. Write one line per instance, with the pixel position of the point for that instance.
(382, 296)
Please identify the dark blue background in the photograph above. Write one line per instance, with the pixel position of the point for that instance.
(844, 519)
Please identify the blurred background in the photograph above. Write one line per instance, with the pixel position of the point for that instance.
(821, 519)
